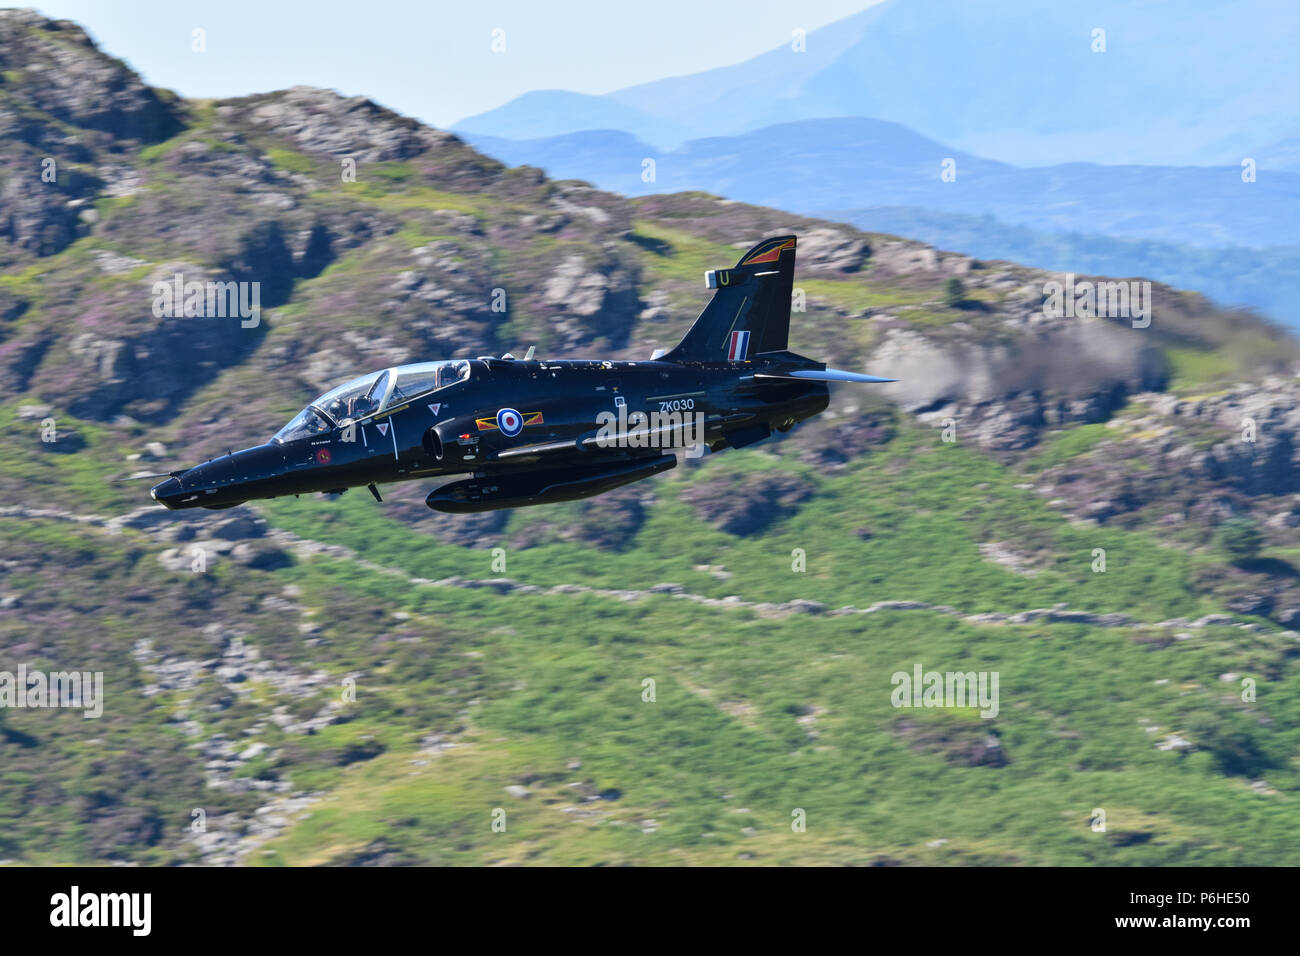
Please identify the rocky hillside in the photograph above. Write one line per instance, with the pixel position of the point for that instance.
(377, 240)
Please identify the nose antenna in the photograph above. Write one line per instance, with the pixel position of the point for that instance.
(142, 477)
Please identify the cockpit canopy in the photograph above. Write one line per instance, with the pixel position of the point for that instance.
(371, 395)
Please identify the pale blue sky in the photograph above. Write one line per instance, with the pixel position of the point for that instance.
(433, 60)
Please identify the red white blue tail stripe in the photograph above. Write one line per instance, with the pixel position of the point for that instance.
(738, 347)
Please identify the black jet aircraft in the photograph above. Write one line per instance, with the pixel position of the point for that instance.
(524, 431)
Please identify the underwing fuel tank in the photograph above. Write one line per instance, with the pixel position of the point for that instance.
(537, 488)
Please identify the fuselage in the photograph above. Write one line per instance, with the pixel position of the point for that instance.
(506, 419)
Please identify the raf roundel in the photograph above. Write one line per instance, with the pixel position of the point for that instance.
(510, 422)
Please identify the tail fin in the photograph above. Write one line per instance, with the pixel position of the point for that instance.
(750, 312)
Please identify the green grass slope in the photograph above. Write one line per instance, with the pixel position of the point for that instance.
(463, 692)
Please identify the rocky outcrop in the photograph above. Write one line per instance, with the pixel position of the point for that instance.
(58, 70)
(589, 297)
(1258, 451)
(63, 104)
(746, 503)
(124, 354)
(901, 257)
(839, 442)
(1200, 459)
(44, 217)
(322, 121)
(832, 250)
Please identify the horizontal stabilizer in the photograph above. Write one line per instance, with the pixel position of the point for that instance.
(824, 375)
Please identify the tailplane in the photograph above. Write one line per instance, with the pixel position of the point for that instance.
(822, 374)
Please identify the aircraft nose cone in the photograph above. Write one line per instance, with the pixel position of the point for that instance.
(166, 492)
(221, 482)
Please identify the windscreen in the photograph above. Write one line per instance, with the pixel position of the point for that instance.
(371, 394)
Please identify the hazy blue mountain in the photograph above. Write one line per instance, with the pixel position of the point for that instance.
(1267, 280)
(1181, 82)
(1062, 154)
(600, 155)
(856, 163)
(543, 113)
(1197, 227)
